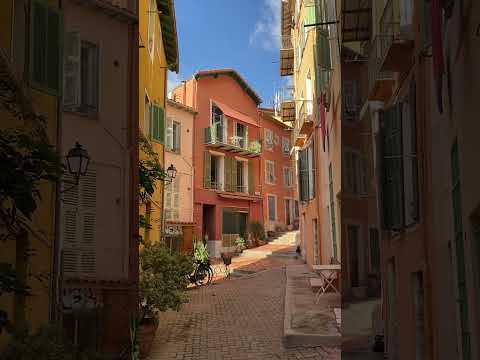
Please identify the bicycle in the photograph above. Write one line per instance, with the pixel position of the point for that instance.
(202, 273)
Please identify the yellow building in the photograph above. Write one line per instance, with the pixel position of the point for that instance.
(30, 62)
(158, 53)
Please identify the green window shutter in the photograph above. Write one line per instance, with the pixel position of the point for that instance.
(460, 252)
(38, 39)
(332, 211)
(207, 170)
(161, 125)
(153, 122)
(54, 41)
(397, 168)
(323, 49)
(233, 174)
(157, 127)
(310, 18)
(250, 176)
(71, 72)
(228, 173)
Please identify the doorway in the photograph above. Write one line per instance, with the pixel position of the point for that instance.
(353, 255)
(208, 223)
(288, 212)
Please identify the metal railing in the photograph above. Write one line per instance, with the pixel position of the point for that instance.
(305, 112)
(215, 134)
(389, 28)
(215, 185)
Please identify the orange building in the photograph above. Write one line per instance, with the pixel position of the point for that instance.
(279, 185)
(226, 156)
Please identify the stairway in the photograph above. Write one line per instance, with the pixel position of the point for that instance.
(282, 245)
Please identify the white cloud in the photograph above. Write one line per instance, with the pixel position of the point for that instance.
(173, 80)
(266, 33)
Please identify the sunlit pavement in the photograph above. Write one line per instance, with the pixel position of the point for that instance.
(235, 319)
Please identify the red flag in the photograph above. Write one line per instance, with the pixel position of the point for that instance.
(323, 126)
(437, 51)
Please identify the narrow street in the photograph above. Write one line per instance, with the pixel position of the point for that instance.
(241, 318)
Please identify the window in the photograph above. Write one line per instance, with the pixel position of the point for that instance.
(287, 176)
(353, 254)
(157, 124)
(81, 75)
(460, 251)
(240, 176)
(296, 209)
(269, 139)
(332, 210)
(46, 32)
(172, 199)
(272, 208)
(355, 172)
(286, 146)
(374, 251)
(350, 105)
(173, 135)
(213, 171)
(219, 124)
(152, 14)
(270, 172)
(240, 137)
(306, 174)
(399, 164)
(426, 24)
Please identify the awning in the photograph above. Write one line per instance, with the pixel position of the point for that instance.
(237, 115)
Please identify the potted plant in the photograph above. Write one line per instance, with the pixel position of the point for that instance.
(240, 243)
(257, 232)
(163, 282)
(200, 252)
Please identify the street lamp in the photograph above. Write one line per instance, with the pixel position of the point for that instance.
(78, 161)
(77, 164)
(171, 173)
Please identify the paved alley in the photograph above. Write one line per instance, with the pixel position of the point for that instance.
(235, 319)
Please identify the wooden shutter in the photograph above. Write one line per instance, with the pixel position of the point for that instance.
(460, 252)
(250, 176)
(158, 124)
(38, 40)
(153, 121)
(177, 135)
(410, 164)
(207, 170)
(169, 135)
(311, 171)
(71, 71)
(54, 41)
(323, 49)
(228, 173)
(392, 168)
(233, 174)
(310, 18)
(79, 227)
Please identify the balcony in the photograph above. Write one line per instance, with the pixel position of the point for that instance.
(380, 83)
(286, 56)
(396, 40)
(305, 118)
(215, 137)
(287, 104)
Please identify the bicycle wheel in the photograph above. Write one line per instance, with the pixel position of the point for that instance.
(201, 276)
(210, 275)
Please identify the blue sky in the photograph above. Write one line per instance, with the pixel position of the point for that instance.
(239, 34)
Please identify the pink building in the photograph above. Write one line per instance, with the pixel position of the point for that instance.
(227, 180)
(279, 185)
(178, 198)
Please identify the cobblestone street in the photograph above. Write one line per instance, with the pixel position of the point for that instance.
(233, 319)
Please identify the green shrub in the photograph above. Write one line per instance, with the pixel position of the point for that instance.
(240, 243)
(257, 231)
(163, 279)
(48, 343)
(200, 251)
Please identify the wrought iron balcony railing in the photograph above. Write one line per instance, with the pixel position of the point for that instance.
(216, 136)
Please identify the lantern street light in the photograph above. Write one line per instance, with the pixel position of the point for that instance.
(171, 173)
(77, 164)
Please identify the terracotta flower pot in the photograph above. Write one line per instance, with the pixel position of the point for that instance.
(146, 335)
